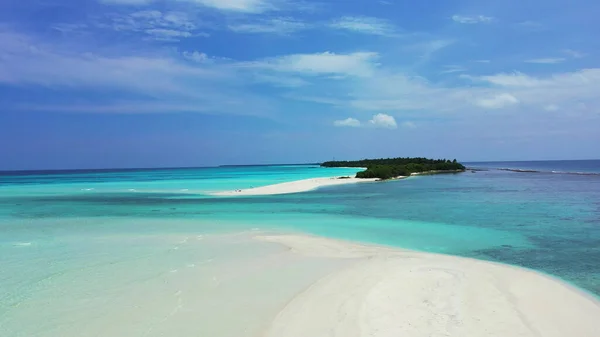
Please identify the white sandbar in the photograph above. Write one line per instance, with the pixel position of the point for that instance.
(387, 292)
(256, 284)
(294, 186)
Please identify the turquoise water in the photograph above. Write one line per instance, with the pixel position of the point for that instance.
(548, 222)
(176, 181)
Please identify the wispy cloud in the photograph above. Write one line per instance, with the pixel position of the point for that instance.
(360, 81)
(348, 122)
(281, 26)
(409, 125)
(277, 80)
(168, 34)
(198, 57)
(547, 60)
(516, 79)
(531, 26)
(584, 77)
(497, 101)
(167, 26)
(387, 90)
(564, 89)
(127, 2)
(450, 69)
(574, 53)
(472, 19)
(160, 80)
(365, 25)
(245, 6)
(354, 64)
(69, 28)
(426, 49)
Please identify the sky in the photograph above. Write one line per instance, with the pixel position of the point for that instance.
(173, 83)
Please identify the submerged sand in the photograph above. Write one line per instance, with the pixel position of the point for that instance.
(294, 186)
(270, 285)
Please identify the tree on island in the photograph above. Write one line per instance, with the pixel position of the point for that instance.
(394, 167)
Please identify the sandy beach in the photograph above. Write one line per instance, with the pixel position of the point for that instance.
(260, 284)
(387, 292)
(307, 185)
(294, 186)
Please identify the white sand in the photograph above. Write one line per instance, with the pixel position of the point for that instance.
(393, 293)
(294, 186)
(252, 284)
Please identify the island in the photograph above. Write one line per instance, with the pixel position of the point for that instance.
(390, 168)
(375, 170)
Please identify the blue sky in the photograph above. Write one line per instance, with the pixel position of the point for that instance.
(146, 83)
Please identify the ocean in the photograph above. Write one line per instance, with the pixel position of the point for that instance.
(72, 233)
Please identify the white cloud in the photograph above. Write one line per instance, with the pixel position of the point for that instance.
(206, 60)
(472, 19)
(497, 101)
(580, 78)
(566, 90)
(282, 26)
(196, 57)
(348, 122)
(380, 120)
(246, 6)
(551, 107)
(389, 90)
(548, 60)
(355, 64)
(482, 61)
(365, 25)
(383, 121)
(355, 81)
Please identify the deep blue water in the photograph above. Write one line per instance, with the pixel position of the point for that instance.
(550, 166)
(548, 222)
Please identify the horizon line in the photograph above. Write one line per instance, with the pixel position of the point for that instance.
(3, 172)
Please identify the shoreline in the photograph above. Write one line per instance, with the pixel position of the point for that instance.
(296, 186)
(393, 291)
(371, 246)
(305, 185)
(287, 283)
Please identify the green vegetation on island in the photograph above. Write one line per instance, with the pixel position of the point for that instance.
(394, 167)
